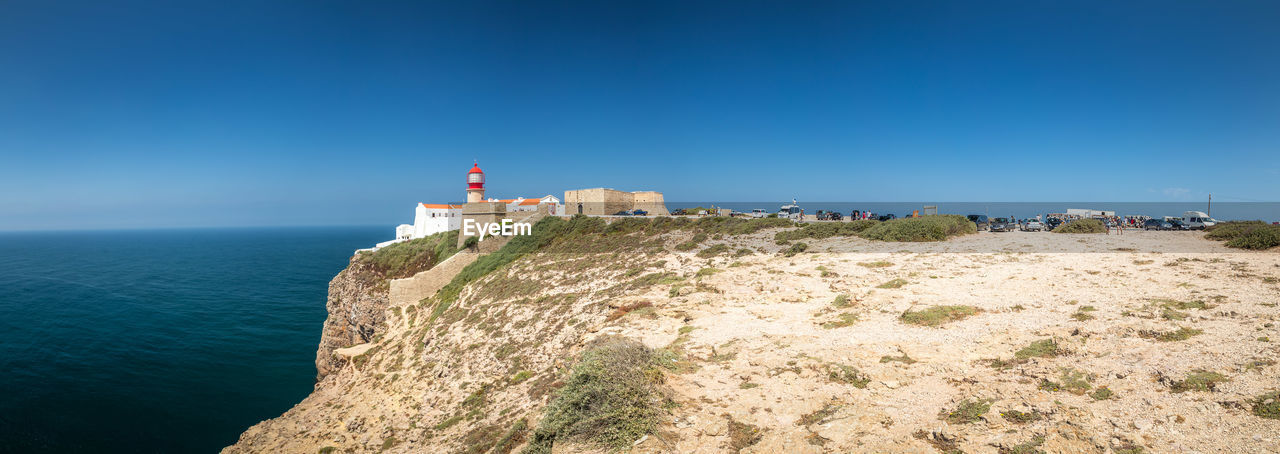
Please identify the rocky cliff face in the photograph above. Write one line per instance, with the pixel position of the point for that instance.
(357, 312)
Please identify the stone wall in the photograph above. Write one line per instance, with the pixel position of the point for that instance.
(604, 201)
(413, 289)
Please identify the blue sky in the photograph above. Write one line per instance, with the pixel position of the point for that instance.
(163, 114)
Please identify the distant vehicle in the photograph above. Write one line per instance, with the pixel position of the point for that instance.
(1001, 225)
(622, 213)
(1177, 224)
(639, 212)
(980, 220)
(1156, 224)
(759, 213)
(1032, 225)
(1197, 220)
(886, 217)
(791, 211)
(835, 216)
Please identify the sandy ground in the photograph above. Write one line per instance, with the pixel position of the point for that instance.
(771, 364)
(767, 358)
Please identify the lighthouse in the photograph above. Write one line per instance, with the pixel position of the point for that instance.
(475, 184)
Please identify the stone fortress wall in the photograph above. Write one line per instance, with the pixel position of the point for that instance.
(605, 201)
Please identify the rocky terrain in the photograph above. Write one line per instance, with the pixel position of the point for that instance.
(1010, 342)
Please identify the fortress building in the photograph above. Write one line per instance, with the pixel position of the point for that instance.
(606, 201)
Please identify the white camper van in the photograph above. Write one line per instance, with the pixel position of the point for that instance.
(1197, 220)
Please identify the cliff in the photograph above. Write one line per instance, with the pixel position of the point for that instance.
(357, 305)
(360, 295)
(711, 336)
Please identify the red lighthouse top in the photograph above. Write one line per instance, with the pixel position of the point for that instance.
(475, 178)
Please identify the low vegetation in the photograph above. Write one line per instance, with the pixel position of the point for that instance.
(967, 412)
(924, 228)
(612, 397)
(1182, 333)
(1070, 380)
(1044, 348)
(407, 258)
(1246, 234)
(938, 315)
(742, 435)
(1198, 381)
(1031, 446)
(819, 230)
(896, 283)
(1082, 226)
(1267, 405)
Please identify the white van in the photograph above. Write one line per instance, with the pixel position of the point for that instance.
(1197, 220)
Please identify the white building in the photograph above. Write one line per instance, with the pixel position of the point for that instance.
(432, 218)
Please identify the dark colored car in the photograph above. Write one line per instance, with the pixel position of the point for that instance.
(1001, 225)
(1156, 224)
(980, 220)
(1052, 223)
(1178, 225)
(886, 217)
(835, 216)
(622, 213)
(639, 212)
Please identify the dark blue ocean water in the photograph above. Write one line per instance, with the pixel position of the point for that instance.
(159, 341)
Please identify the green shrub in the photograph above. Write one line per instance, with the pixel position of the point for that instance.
(824, 230)
(1267, 405)
(967, 412)
(924, 228)
(1198, 380)
(1044, 348)
(611, 398)
(1231, 229)
(795, 249)
(1258, 239)
(1082, 226)
(938, 315)
(407, 258)
(1245, 234)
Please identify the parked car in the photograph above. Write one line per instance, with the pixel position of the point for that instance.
(1156, 224)
(1178, 225)
(622, 213)
(639, 212)
(980, 220)
(835, 216)
(1032, 225)
(886, 217)
(1052, 223)
(758, 213)
(1001, 225)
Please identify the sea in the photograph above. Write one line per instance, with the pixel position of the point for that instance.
(160, 341)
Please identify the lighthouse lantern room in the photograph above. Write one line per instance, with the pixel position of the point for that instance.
(475, 184)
